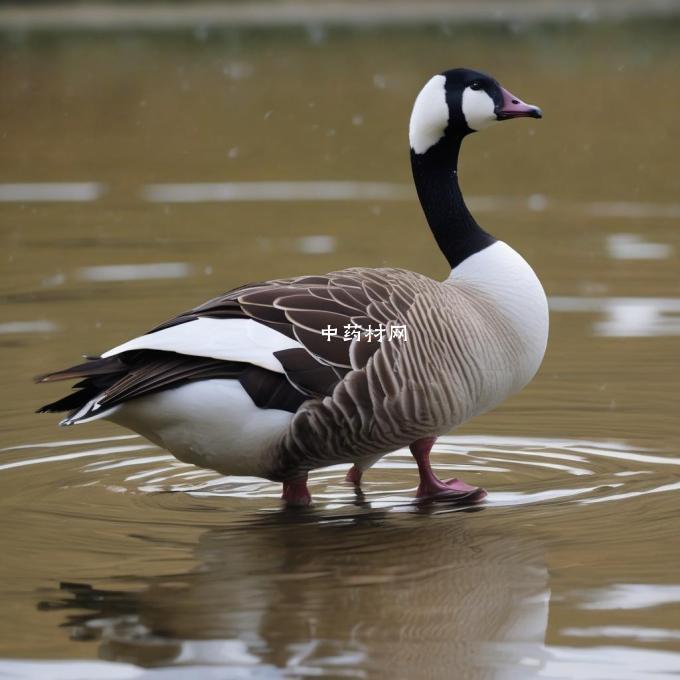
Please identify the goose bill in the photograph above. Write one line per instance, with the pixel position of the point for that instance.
(513, 107)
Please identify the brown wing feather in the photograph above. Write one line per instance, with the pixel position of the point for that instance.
(357, 397)
(302, 308)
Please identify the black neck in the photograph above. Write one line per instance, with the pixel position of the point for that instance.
(436, 178)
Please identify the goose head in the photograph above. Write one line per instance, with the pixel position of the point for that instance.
(458, 102)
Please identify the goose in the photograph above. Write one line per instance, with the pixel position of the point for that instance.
(277, 378)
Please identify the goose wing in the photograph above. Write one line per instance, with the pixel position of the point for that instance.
(313, 329)
(346, 388)
(371, 397)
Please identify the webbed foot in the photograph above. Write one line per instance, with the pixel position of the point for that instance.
(295, 493)
(433, 488)
(354, 475)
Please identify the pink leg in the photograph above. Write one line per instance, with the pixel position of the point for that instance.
(354, 475)
(296, 493)
(431, 486)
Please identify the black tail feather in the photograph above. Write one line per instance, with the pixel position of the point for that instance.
(93, 366)
(99, 374)
(72, 402)
(121, 378)
(85, 390)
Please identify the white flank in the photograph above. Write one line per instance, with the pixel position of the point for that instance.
(227, 339)
(478, 109)
(430, 115)
(209, 423)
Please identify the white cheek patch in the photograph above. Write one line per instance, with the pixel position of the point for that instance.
(430, 115)
(478, 109)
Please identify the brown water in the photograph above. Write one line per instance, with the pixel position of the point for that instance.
(114, 551)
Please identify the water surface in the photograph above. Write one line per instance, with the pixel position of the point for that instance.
(142, 174)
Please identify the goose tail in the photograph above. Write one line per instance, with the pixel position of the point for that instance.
(95, 375)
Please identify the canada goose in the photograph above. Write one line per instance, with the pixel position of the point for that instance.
(277, 378)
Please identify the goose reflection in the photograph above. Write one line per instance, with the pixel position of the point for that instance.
(355, 596)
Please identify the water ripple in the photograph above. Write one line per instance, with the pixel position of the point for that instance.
(212, 571)
(515, 470)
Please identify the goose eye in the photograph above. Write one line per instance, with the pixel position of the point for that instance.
(476, 86)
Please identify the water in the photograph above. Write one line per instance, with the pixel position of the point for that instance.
(130, 166)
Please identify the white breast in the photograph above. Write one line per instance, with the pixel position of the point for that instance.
(503, 277)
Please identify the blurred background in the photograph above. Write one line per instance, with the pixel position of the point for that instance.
(154, 154)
